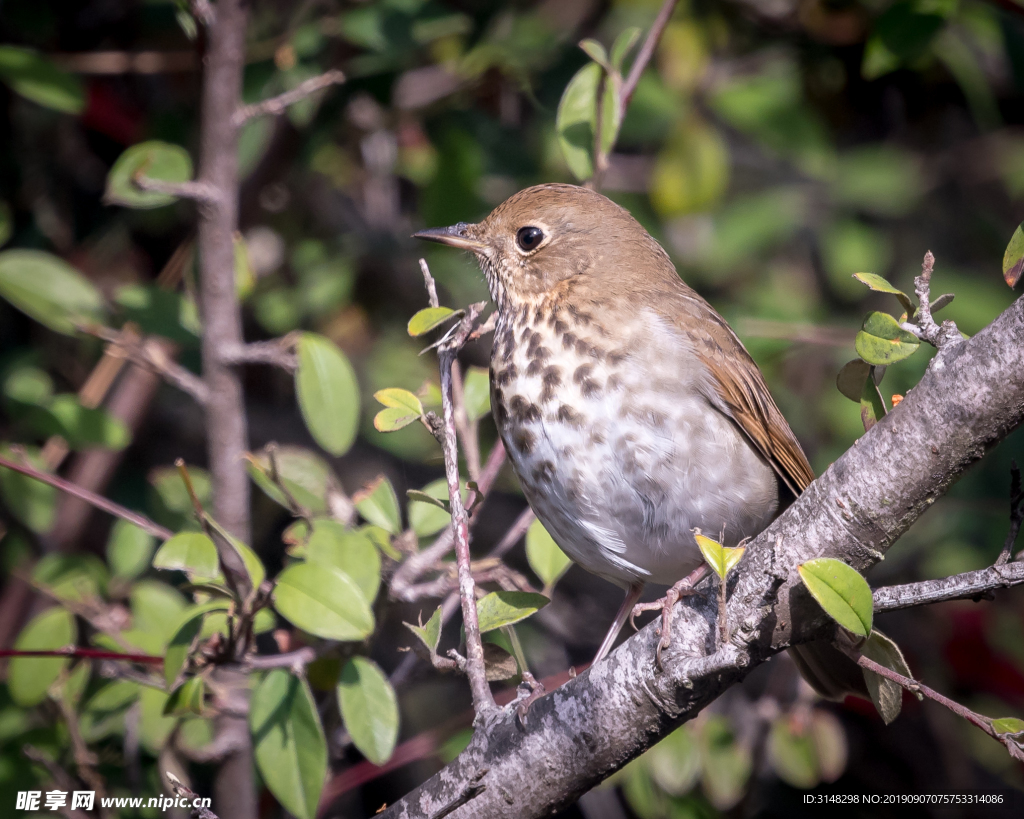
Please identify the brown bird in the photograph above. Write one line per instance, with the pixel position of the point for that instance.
(631, 412)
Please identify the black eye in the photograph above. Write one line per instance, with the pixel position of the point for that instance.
(529, 237)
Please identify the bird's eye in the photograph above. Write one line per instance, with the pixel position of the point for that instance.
(528, 238)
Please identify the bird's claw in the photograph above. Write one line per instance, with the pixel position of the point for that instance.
(536, 689)
(666, 605)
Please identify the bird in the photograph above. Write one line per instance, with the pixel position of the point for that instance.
(631, 413)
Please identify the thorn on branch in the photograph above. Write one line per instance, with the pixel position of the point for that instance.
(275, 106)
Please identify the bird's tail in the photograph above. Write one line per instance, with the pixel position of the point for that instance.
(828, 671)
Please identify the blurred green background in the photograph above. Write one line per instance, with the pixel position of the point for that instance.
(774, 147)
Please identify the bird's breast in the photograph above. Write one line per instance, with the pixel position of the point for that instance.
(615, 447)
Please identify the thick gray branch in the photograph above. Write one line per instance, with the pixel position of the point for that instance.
(971, 397)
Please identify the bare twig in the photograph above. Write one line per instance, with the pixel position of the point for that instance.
(92, 498)
(296, 660)
(428, 282)
(180, 790)
(276, 352)
(967, 586)
(514, 534)
(483, 701)
(276, 106)
(982, 722)
(921, 324)
(1016, 515)
(201, 192)
(203, 12)
(643, 57)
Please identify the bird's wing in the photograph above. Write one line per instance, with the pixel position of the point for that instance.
(739, 390)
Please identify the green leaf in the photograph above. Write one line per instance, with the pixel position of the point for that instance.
(129, 550)
(288, 742)
(307, 477)
(721, 559)
(548, 562)
(399, 399)
(28, 678)
(153, 160)
(691, 173)
(331, 544)
(596, 52)
(378, 504)
(393, 419)
(872, 407)
(28, 385)
(879, 285)
(1008, 725)
(36, 78)
(32, 502)
(74, 577)
(6, 223)
(154, 727)
(792, 753)
(852, 378)
(191, 552)
(188, 698)
(576, 121)
(155, 608)
(328, 393)
(254, 568)
(476, 393)
(324, 601)
(430, 317)
(48, 290)
(172, 499)
(623, 45)
(726, 764)
(430, 509)
(245, 277)
(185, 631)
(885, 694)
(429, 634)
(841, 592)
(503, 608)
(84, 427)
(942, 301)
(675, 761)
(1013, 258)
(369, 709)
(883, 341)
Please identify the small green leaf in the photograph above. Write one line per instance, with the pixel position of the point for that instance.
(254, 568)
(503, 608)
(1013, 258)
(36, 78)
(548, 562)
(188, 698)
(191, 552)
(721, 559)
(129, 550)
(852, 378)
(791, 752)
(623, 45)
(328, 393)
(393, 419)
(154, 727)
(6, 223)
(1008, 725)
(596, 52)
(476, 393)
(885, 694)
(841, 591)
(331, 544)
(428, 318)
(369, 709)
(155, 608)
(324, 601)
(32, 502)
(883, 341)
(288, 742)
(880, 285)
(430, 509)
(153, 160)
(419, 496)
(185, 631)
(872, 407)
(378, 504)
(942, 301)
(28, 678)
(245, 277)
(576, 120)
(429, 634)
(399, 399)
(305, 475)
(48, 290)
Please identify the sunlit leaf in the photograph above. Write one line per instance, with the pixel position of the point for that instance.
(1008, 725)
(129, 549)
(36, 78)
(883, 341)
(430, 633)
(191, 552)
(548, 562)
(288, 742)
(576, 120)
(369, 709)
(306, 477)
(792, 754)
(331, 544)
(430, 509)
(596, 52)
(880, 285)
(324, 601)
(691, 171)
(188, 698)
(623, 45)
(156, 160)
(378, 504)
(428, 318)
(720, 558)
(399, 399)
(28, 678)
(841, 591)
(675, 761)
(503, 608)
(48, 289)
(328, 393)
(1013, 258)
(185, 630)
(476, 390)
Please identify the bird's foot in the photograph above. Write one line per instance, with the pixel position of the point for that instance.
(536, 689)
(667, 604)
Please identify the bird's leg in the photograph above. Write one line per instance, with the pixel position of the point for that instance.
(632, 595)
(667, 604)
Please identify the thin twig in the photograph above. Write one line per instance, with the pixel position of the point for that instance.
(275, 106)
(514, 534)
(293, 659)
(197, 191)
(203, 12)
(1016, 515)
(91, 498)
(187, 793)
(922, 324)
(645, 54)
(967, 586)
(483, 701)
(915, 687)
(276, 352)
(428, 281)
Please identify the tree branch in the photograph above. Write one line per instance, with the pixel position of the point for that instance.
(276, 352)
(970, 398)
(275, 106)
(198, 191)
(643, 57)
(966, 586)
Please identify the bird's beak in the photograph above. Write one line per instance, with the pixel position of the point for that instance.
(454, 236)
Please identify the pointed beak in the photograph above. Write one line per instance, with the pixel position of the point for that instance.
(454, 236)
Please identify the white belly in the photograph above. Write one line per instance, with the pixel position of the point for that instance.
(622, 490)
